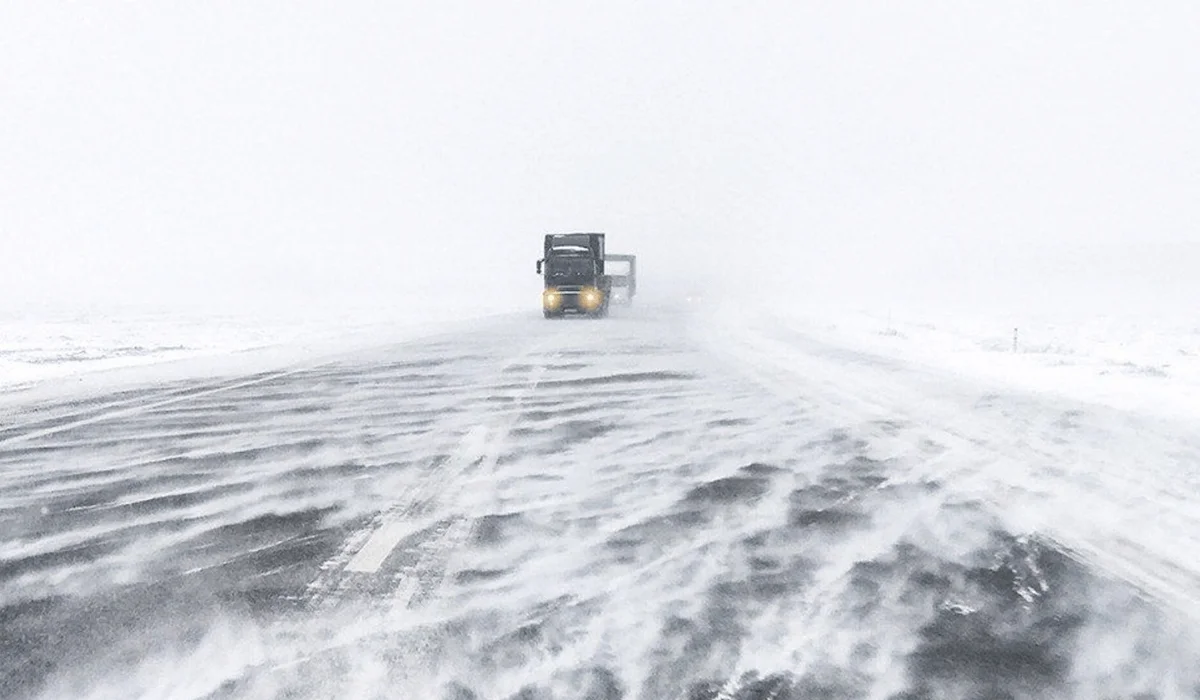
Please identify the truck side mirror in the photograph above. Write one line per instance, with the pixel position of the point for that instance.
(539, 267)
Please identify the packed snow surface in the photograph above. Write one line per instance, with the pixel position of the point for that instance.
(701, 502)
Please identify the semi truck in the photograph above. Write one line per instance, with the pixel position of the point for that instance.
(575, 277)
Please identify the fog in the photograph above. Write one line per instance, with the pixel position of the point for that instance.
(276, 155)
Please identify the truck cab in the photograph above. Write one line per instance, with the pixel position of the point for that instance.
(572, 268)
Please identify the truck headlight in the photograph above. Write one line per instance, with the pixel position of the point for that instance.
(590, 298)
(551, 299)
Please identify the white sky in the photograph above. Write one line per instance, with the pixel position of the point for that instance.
(222, 153)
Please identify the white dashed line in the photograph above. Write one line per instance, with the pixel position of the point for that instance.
(370, 558)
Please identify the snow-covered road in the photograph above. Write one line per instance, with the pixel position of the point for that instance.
(666, 504)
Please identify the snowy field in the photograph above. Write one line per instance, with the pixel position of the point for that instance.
(34, 350)
(44, 351)
(1141, 362)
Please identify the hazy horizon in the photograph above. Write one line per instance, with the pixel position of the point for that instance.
(284, 155)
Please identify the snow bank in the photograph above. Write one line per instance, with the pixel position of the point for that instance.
(1136, 362)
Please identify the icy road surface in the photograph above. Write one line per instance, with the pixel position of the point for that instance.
(658, 506)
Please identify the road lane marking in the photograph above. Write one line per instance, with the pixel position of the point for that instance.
(379, 546)
(477, 448)
(369, 559)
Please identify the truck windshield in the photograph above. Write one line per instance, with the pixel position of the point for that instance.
(569, 270)
(571, 240)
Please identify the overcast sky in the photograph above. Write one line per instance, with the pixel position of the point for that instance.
(287, 152)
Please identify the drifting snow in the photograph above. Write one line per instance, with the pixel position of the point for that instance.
(659, 505)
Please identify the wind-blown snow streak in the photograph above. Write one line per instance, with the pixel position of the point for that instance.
(657, 506)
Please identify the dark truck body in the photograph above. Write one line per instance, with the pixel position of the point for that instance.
(574, 275)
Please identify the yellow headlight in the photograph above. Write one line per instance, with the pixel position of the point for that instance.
(551, 299)
(590, 299)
